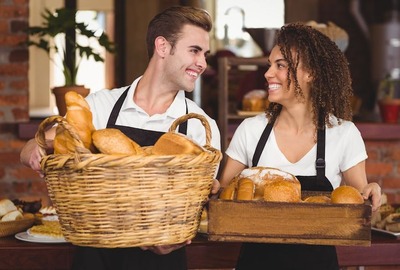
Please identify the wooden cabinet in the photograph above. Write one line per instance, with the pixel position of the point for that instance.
(245, 72)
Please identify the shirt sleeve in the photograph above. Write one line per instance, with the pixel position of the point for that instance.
(354, 148)
(237, 148)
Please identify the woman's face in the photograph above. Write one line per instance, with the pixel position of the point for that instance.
(279, 90)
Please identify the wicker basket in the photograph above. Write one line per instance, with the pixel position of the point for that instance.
(12, 227)
(128, 200)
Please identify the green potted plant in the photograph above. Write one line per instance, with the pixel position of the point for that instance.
(62, 21)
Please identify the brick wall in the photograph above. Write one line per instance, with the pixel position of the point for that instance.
(16, 181)
(383, 166)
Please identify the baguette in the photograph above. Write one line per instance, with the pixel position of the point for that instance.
(80, 118)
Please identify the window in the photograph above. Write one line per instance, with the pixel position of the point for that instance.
(44, 74)
(233, 15)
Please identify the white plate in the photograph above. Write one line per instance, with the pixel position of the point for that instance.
(396, 234)
(24, 236)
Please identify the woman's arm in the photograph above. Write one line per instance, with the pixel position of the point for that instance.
(231, 169)
(356, 177)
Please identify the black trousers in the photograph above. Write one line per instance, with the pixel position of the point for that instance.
(88, 258)
(255, 256)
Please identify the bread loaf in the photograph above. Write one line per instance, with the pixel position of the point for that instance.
(80, 118)
(172, 143)
(346, 194)
(282, 191)
(11, 216)
(229, 193)
(262, 183)
(6, 206)
(112, 141)
(246, 189)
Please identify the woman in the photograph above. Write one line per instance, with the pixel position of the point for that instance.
(306, 131)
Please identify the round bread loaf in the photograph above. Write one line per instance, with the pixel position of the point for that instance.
(282, 191)
(346, 194)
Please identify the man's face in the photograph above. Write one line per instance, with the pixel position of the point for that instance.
(187, 60)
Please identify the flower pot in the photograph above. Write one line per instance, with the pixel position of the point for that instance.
(60, 91)
(389, 110)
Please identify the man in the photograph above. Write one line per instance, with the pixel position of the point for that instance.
(177, 44)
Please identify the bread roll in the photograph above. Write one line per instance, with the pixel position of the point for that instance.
(174, 144)
(393, 222)
(282, 191)
(11, 216)
(80, 118)
(245, 190)
(6, 206)
(112, 141)
(317, 199)
(346, 194)
(229, 193)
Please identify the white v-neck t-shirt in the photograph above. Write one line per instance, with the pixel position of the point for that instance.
(344, 148)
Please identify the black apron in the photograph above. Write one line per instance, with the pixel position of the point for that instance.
(88, 258)
(254, 256)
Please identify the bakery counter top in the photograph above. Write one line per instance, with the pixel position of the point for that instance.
(202, 254)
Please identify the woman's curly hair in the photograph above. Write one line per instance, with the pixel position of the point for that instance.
(331, 88)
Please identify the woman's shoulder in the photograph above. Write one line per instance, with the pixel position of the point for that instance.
(341, 126)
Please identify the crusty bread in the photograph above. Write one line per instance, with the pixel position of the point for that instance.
(6, 206)
(112, 141)
(346, 194)
(80, 118)
(317, 199)
(281, 191)
(172, 143)
(229, 193)
(13, 215)
(263, 183)
(245, 191)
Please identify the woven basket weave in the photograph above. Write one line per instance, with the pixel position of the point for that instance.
(128, 200)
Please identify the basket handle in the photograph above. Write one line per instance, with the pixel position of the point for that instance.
(40, 135)
(203, 120)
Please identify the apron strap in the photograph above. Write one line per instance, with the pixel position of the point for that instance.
(320, 162)
(261, 144)
(118, 105)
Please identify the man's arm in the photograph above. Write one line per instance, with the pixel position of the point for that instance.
(30, 155)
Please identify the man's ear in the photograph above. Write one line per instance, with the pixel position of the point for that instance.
(161, 46)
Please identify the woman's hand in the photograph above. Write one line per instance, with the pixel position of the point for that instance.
(215, 187)
(162, 250)
(373, 191)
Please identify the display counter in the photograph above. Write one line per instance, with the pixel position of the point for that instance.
(202, 254)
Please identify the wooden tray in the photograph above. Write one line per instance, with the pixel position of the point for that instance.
(303, 223)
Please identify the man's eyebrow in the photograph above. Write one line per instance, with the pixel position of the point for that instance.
(196, 47)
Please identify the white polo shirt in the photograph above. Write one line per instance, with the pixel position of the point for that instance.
(344, 149)
(102, 102)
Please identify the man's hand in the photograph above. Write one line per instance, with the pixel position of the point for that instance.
(30, 156)
(162, 250)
